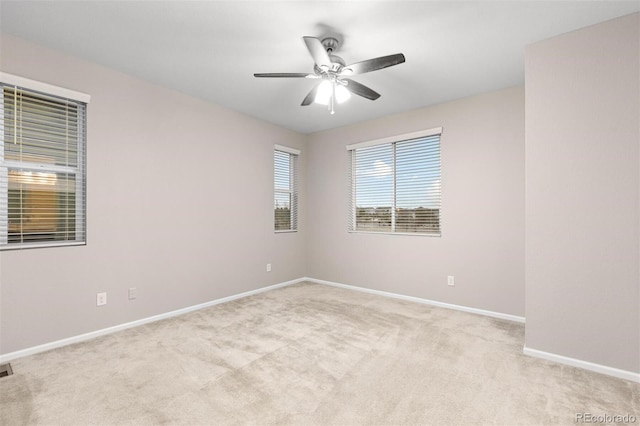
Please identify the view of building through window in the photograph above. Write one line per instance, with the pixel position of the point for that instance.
(41, 207)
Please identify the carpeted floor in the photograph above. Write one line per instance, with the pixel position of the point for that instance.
(308, 354)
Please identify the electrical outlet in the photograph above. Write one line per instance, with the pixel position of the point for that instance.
(268, 267)
(133, 293)
(101, 299)
(451, 281)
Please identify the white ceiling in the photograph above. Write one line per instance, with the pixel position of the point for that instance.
(210, 49)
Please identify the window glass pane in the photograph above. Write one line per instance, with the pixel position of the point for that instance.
(282, 211)
(41, 206)
(39, 129)
(282, 170)
(374, 188)
(418, 185)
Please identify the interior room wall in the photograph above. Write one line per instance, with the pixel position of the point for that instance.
(482, 242)
(582, 193)
(180, 205)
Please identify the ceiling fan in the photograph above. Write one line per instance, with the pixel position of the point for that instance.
(336, 86)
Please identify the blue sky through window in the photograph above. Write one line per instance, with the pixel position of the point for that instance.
(417, 170)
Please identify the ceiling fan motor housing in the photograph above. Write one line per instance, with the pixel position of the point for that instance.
(331, 44)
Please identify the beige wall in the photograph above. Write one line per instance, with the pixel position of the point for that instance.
(482, 243)
(179, 205)
(582, 193)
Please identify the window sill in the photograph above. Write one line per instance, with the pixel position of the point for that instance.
(416, 234)
(27, 246)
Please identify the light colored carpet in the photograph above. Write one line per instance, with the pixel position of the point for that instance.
(308, 354)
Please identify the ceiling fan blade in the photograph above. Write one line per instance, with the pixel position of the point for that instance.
(361, 90)
(373, 64)
(308, 100)
(285, 75)
(317, 51)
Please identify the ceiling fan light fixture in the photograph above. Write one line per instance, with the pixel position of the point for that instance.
(325, 91)
(342, 94)
(323, 95)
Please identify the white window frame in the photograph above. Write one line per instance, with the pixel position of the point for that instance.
(80, 171)
(292, 191)
(352, 228)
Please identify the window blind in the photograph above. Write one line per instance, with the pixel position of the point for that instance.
(395, 187)
(42, 169)
(285, 176)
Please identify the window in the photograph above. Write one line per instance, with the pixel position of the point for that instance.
(395, 184)
(285, 177)
(42, 164)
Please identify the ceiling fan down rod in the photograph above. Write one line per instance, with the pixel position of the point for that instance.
(333, 96)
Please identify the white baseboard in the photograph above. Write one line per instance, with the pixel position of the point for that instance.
(598, 368)
(423, 301)
(87, 336)
(586, 365)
